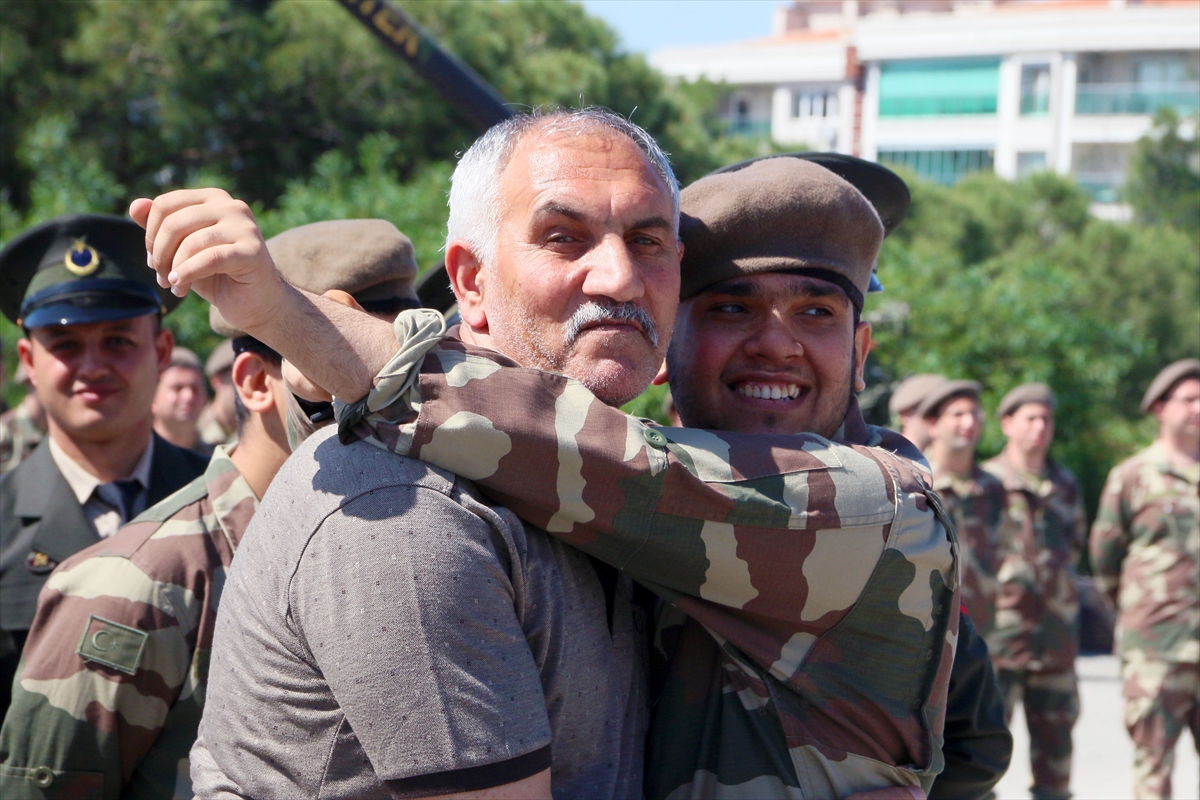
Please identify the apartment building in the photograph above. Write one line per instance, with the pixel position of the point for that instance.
(949, 87)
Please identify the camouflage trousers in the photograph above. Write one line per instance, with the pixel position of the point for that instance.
(1161, 698)
(1051, 702)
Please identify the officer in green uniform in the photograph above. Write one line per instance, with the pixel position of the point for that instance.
(94, 346)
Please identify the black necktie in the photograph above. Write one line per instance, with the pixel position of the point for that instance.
(121, 495)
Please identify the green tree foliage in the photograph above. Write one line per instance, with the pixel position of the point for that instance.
(1164, 182)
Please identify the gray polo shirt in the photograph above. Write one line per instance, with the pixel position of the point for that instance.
(384, 632)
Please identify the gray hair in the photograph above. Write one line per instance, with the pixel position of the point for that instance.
(475, 184)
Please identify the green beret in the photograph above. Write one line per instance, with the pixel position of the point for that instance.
(79, 269)
(1026, 393)
(369, 259)
(1165, 381)
(908, 395)
(777, 215)
(948, 390)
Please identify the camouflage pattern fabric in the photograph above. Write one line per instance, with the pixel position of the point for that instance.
(19, 434)
(1051, 709)
(1161, 699)
(1145, 549)
(111, 685)
(976, 506)
(813, 584)
(1038, 607)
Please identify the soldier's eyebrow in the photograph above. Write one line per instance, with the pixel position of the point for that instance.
(737, 288)
(553, 209)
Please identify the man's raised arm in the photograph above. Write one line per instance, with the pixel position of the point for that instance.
(205, 240)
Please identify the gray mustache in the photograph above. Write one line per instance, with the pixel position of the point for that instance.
(594, 311)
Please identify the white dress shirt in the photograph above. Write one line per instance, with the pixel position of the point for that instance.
(103, 517)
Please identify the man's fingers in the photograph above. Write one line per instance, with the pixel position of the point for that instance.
(213, 261)
(167, 204)
(139, 210)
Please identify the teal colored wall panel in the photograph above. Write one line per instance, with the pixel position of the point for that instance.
(939, 87)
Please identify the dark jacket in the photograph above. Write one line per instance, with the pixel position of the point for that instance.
(978, 745)
(39, 513)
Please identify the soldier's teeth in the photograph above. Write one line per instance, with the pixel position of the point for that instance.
(766, 391)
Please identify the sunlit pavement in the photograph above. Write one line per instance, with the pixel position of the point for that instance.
(1103, 767)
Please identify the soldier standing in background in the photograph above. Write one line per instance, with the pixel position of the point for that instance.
(1036, 637)
(905, 402)
(973, 498)
(120, 720)
(178, 401)
(218, 420)
(1145, 551)
(21, 428)
(94, 348)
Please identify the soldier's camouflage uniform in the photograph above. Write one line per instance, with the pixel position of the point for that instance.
(112, 681)
(19, 434)
(976, 506)
(1146, 554)
(818, 580)
(1036, 636)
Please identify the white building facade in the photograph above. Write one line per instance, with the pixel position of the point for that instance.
(949, 87)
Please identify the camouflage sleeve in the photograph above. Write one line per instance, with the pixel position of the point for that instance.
(99, 673)
(767, 541)
(1110, 536)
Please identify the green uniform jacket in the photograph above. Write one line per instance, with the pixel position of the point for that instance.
(111, 685)
(814, 583)
(1146, 553)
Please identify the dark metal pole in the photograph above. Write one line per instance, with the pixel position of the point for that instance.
(456, 82)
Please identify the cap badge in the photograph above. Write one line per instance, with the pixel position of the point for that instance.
(81, 259)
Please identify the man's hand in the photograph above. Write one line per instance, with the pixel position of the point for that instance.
(203, 239)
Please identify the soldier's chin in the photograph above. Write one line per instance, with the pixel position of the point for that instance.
(613, 381)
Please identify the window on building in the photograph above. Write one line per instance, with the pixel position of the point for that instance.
(941, 166)
(939, 87)
(1029, 163)
(1100, 169)
(815, 103)
(1035, 89)
(1153, 82)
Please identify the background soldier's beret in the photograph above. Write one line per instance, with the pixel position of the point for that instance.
(220, 359)
(1026, 393)
(937, 398)
(908, 395)
(79, 269)
(1165, 381)
(182, 357)
(369, 259)
(778, 215)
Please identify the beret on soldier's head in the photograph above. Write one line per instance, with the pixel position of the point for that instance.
(908, 395)
(182, 357)
(369, 259)
(936, 399)
(220, 359)
(1165, 380)
(79, 269)
(1026, 393)
(777, 215)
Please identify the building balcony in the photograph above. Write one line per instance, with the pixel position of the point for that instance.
(752, 128)
(1131, 98)
(937, 106)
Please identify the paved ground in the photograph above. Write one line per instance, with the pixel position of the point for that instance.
(1103, 752)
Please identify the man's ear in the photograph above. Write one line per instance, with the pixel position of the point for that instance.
(662, 376)
(164, 343)
(25, 356)
(250, 381)
(469, 283)
(862, 347)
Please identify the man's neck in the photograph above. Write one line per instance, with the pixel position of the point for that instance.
(180, 434)
(1183, 452)
(108, 460)
(957, 462)
(1033, 462)
(257, 456)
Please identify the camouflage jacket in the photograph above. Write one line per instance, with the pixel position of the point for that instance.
(976, 506)
(814, 583)
(1037, 611)
(112, 681)
(19, 434)
(1146, 554)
